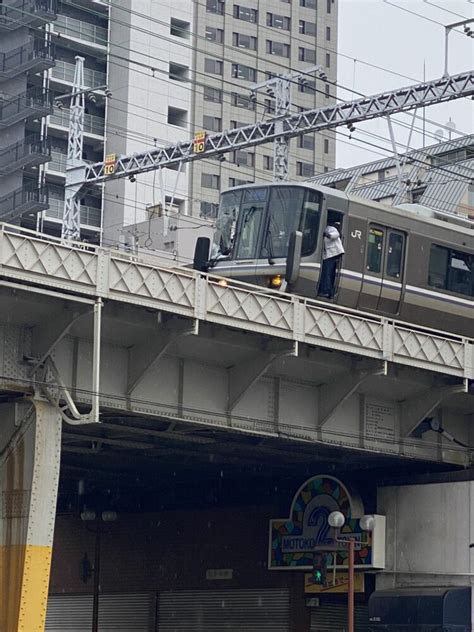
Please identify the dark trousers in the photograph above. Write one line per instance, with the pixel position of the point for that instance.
(328, 276)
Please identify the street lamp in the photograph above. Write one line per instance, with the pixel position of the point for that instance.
(336, 520)
(89, 516)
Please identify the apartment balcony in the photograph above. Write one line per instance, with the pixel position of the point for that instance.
(90, 216)
(93, 125)
(58, 162)
(28, 152)
(30, 198)
(34, 102)
(17, 13)
(85, 32)
(64, 71)
(36, 56)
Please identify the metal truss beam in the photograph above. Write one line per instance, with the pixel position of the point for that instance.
(375, 106)
(416, 408)
(244, 375)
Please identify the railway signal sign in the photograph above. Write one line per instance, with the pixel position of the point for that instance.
(109, 164)
(199, 142)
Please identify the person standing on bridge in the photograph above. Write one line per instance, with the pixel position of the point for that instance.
(332, 253)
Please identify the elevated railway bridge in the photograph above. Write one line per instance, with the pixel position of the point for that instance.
(112, 364)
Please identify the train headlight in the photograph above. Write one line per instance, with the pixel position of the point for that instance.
(275, 281)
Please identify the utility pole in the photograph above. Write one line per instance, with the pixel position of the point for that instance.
(71, 228)
(279, 88)
(447, 30)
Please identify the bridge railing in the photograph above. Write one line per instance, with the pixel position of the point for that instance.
(28, 257)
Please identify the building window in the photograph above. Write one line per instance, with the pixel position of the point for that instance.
(209, 210)
(178, 72)
(212, 123)
(306, 142)
(327, 90)
(241, 101)
(278, 48)
(328, 60)
(243, 158)
(245, 13)
(307, 28)
(326, 146)
(215, 6)
(304, 169)
(237, 182)
(328, 33)
(179, 28)
(212, 94)
(214, 35)
(309, 4)
(244, 41)
(213, 66)
(268, 163)
(306, 86)
(328, 6)
(326, 169)
(177, 117)
(381, 175)
(278, 21)
(239, 71)
(210, 181)
(236, 124)
(451, 270)
(307, 54)
(269, 106)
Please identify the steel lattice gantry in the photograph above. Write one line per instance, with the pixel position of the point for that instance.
(384, 104)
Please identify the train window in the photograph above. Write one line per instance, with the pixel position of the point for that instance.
(251, 218)
(310, 227)
(285, 207)
(375, 249)
(451, 270)
(394, 255)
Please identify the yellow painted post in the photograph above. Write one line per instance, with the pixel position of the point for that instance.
(30, 450)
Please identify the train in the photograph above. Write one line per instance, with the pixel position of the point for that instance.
(410, 262)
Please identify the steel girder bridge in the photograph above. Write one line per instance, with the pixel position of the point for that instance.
(131, 355)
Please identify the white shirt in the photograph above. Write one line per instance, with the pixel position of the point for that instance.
(332, 243)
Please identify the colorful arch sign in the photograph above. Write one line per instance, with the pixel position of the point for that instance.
(293, 540)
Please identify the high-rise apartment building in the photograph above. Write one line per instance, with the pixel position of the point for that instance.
(173, 68)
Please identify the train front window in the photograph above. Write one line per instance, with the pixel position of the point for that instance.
(226, 223)
(290, 209)
(250, 218)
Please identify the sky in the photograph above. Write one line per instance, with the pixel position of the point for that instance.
(384, 33)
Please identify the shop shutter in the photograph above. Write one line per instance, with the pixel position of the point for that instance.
(224, 610)
(69, 613)
(119, 612)
(332, 617)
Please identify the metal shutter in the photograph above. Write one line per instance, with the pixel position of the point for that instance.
(69, 613)
(332, 617)
(224, 610)
(117, 612)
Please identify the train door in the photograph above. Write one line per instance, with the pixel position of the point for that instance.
(382, 282)
(372, 275)
(393, 272)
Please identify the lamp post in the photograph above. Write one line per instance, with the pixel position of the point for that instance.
(89, 516)
(336, 520)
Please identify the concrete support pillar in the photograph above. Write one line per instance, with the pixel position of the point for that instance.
(30, 449)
